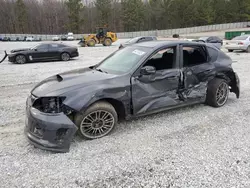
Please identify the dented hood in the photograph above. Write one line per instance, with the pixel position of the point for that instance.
(68, 81)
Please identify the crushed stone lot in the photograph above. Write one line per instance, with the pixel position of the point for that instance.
(196, 146)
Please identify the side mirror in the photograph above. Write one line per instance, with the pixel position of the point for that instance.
(148, 70)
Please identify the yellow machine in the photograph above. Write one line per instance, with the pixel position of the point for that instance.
(103, 36)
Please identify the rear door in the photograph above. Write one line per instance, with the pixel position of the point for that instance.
(198, 69)
(54, 51)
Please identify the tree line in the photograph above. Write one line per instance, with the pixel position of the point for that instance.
(83, 16)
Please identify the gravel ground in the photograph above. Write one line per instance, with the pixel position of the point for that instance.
(197, 146)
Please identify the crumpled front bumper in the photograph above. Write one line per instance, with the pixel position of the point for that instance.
(53, 132)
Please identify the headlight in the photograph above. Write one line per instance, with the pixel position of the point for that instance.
(49, 104)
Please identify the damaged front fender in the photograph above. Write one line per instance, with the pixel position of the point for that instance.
(49, 132)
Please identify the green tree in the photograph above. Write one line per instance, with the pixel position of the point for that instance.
(132, 14)
(104, 11)
(21, 15)
(75, 7)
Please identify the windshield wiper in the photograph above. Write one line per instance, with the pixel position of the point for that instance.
(100, 70)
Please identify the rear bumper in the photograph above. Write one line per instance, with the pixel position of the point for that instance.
(49, 132)
(236, 47)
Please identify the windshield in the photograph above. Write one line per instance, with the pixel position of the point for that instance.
(122, 61)
(240, 38)
(133, 40)
(34, 47)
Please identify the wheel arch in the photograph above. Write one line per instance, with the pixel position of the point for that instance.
(231, 78)
(25, 55)
(118, 105)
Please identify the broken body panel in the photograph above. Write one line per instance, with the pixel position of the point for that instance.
(135, 94)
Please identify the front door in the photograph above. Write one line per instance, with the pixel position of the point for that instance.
(198, 70)
(158, 90)
(40, 53)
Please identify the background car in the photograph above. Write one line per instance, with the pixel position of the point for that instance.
(239, 43)
(70, 36)
(137, 80)
(216, 41)
(30, 38)
(55, 38)
(43, 52)
(63, 37)
(138, 40)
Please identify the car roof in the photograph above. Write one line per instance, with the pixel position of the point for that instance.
(158, 44)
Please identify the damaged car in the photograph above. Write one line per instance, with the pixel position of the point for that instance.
(43, 52)
(138, 80)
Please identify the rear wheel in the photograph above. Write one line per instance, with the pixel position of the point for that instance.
(97, 121)
(230, 50)
(107, 42)
(248, 49)
(20, 59)
(217, 92)
(91, 43)
(65, 56)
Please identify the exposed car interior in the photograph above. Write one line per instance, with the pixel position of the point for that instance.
(194, 56)
(163, 59)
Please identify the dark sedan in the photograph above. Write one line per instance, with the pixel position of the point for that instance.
(138, 40)
(43, 52)
(216, 41)
(137, 80)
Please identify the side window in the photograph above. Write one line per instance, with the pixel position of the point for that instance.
(42, 47)
(194, 55)
(141, 40)
(163, 59)
(53, 46)
(213, 54)
(210, 39)
(148, 39)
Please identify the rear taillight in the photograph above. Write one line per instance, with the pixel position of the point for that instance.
(241, 43)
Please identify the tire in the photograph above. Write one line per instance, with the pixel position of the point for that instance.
(230, 50)
(217, 92)
(107, 42)
(90, 126)
(91, 43)
(65, 56)
(248, 49)
(20, 59)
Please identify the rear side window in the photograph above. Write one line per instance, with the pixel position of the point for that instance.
(53, 46)
(194, 55)
(213, 54)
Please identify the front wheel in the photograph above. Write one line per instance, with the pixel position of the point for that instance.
(20, 59)
(107, 42)
(217, 92)
(97, 121)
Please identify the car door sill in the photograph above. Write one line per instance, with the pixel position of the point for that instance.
(183, 104)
